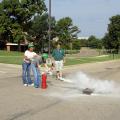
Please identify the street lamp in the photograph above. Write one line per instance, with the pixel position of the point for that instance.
(49, 31)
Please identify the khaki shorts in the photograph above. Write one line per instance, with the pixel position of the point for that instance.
(59, 65)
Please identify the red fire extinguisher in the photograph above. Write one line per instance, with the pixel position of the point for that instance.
(44, 83)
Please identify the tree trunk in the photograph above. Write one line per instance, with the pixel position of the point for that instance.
(19, 46)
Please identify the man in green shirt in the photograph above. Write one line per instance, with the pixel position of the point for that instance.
(58, 55)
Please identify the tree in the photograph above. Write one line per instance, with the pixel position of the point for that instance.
(39, 30)
(92, 41)
(114, 32)
(83, 43)
(20, 19)
(16, 17)
(107, 42)
(76, 44)
(66, 31)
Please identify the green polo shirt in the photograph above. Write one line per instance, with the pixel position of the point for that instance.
(58, 54)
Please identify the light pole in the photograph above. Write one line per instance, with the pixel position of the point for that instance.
(49, 31)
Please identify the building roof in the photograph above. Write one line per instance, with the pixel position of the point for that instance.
(81, 38)
(13, 44)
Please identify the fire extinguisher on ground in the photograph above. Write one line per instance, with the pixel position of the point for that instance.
(44, 81)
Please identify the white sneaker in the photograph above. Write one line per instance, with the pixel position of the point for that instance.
(25, 85)
(50, 73)
(62, 79)
(31, 85)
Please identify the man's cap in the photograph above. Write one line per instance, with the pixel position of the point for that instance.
(30, 45)
(45, 55)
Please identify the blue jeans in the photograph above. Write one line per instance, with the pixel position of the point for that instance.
(37, 76)
(26, 67)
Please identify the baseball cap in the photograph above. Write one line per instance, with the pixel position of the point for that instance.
(30, 45)
(45, 55)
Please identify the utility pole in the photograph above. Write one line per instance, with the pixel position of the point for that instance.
(49, 31)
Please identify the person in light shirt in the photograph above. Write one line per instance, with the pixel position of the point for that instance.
(26, 66)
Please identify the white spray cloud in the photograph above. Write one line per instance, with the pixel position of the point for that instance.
(75, 83)
(83, 81)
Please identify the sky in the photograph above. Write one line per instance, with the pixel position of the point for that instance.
(91, 16)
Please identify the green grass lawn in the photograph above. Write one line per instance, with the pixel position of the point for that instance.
(17, 57)
(11, 57)
(5, 53)
(90, 59)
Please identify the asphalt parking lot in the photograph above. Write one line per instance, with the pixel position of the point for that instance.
(61, 100)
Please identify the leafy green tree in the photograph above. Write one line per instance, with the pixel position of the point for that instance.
(76, 44)
(39, 30)
(16, 17)
(99, 44)
(66, 31)
(114, 32)
(83, 43)
(107, 42)
(92, 41)
(20, 19)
